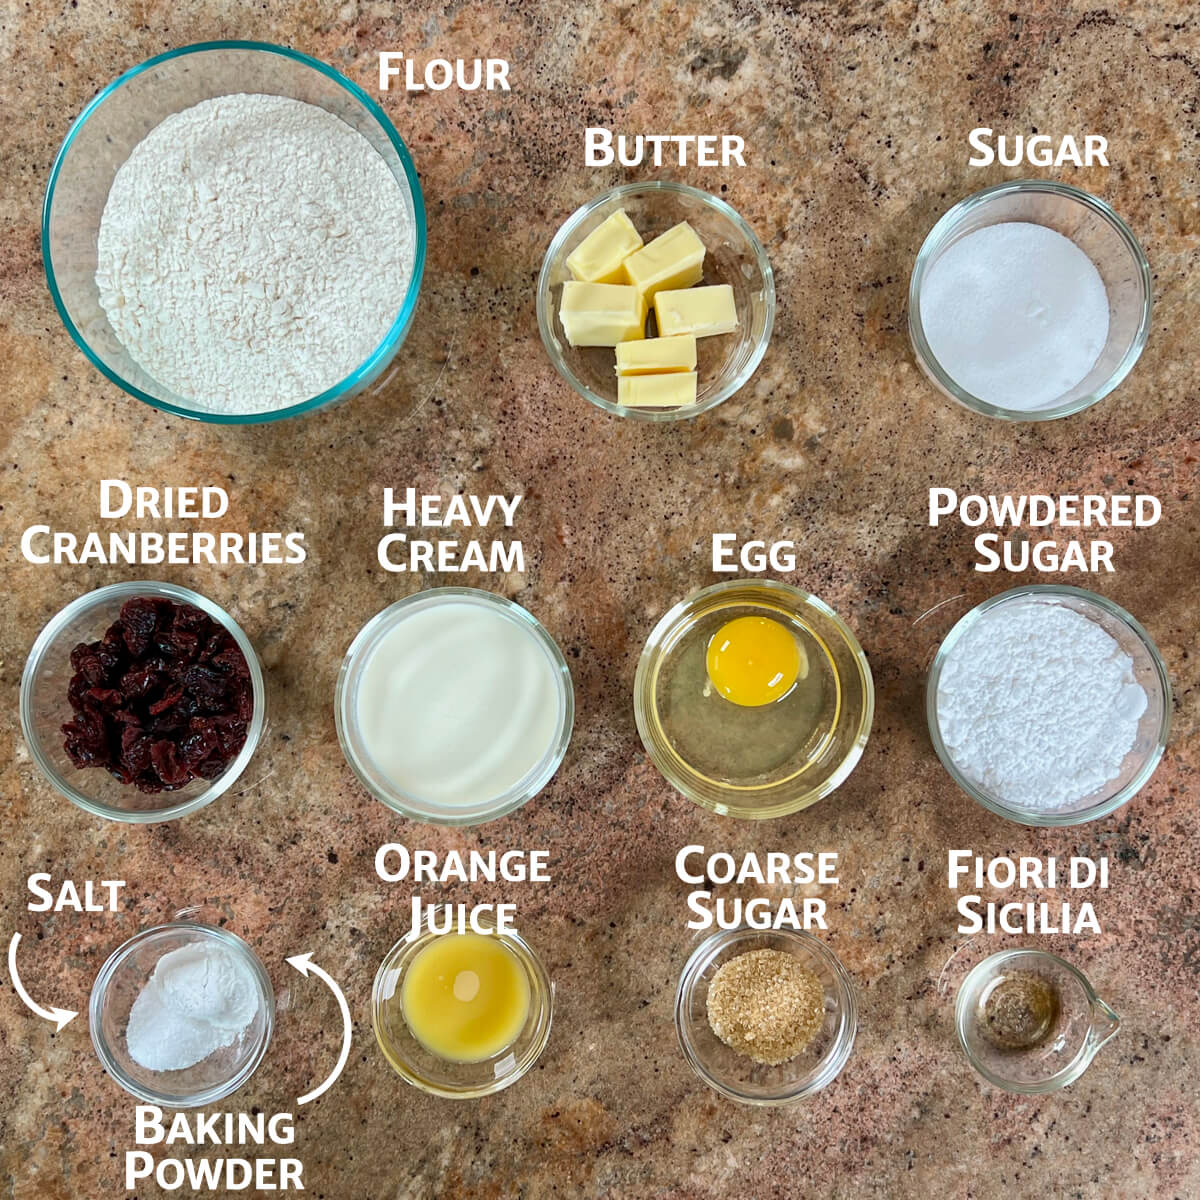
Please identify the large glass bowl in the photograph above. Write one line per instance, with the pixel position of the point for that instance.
(1099, 233)
(734, 255)
(121, 116)
(733, 1074)
(44, 708)
(1149, 670)
(118, 985)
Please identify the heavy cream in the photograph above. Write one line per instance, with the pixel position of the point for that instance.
(458, 702)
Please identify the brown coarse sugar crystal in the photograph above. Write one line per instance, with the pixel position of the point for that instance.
(767, 1005)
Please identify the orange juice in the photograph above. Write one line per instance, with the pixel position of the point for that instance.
(465, 997)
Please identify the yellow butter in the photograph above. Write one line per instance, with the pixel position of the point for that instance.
(657, 356)
(675, 259)
(598, 258)
(657, 391)
(601, 314)
(701, 311)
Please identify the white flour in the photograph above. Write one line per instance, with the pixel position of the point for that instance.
(200, 998)
(254, 251)
(1038, 704)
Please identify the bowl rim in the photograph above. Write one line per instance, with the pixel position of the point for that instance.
(104, 977)
(840, 1048)
(128, 591)
(642, 698)
(400, 326)
(411, 806)
(545, 316)
(944, 227)
(1060, 1079)
(398, 959)
(1050, 818)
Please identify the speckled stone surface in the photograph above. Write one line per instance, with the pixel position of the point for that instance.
(855, 117)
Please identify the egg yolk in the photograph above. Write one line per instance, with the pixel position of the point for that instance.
(754, 661)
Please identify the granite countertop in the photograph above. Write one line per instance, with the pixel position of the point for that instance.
(855, 118)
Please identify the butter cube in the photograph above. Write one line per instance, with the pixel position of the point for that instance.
(601, 314)
(657, 356)
(675, 259)
(598, 258)
(657, 391)
(701, 311)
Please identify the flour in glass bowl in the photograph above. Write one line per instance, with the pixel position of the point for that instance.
(1038, 705)
(254, 251)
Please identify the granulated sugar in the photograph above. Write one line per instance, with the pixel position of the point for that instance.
(1016, 314)
(253, 252)
(1037, 704)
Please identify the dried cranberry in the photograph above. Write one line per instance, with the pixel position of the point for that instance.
(163, 698)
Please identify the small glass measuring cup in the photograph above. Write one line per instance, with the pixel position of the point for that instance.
(1072, 1024)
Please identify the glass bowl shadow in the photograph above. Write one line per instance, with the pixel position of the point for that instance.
(116, 120)
(735, 1075)
(44, 708)
(1097, 230)
(120, 982)
(734, 255)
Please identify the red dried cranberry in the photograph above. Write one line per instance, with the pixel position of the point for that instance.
(163, 698)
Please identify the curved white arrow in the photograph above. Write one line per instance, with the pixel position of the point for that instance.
(60, 1016)
(304, 964)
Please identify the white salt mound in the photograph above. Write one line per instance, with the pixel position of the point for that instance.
(1038, 705)
(1016, 314)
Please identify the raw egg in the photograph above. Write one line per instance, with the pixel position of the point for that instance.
(754, 661)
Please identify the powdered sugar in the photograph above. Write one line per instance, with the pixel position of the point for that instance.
(199, 999)
(1038, 704)
(253, 252)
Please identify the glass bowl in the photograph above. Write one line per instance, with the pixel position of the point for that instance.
(354, 744)
(734, 256)
(733, 1074)
(1080, 1026)
(44, 708)
(122, 115)
(827, 757)
(1096, 230)
(118, 985)
(458, 1081)
(1148, 668)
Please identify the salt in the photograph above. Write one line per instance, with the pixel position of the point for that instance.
(1038, 705)
(1016, 314)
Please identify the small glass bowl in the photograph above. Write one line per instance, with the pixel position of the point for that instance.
(354, 745)
(1148, 669)
(44, 708)
(794, 787)
(458, 1081)
(1094, 228)
(118, 985)
(733, 1074)
(1082, 1024)
(734, 256)
(121, 116)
